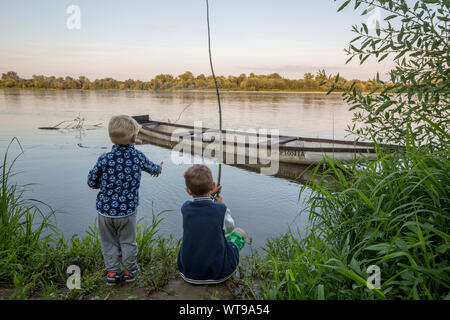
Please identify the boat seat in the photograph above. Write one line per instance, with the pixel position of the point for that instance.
(142, 119)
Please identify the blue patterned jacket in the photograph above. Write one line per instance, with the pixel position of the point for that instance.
(118, 175)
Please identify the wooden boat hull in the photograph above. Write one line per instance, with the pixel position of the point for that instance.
(251, 147)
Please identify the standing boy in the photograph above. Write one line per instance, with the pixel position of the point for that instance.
(118, 174)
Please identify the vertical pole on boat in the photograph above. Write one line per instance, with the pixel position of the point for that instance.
(333, 134)
(218, 97)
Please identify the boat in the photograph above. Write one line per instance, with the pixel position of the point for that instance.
(296, 173)
(253, 144)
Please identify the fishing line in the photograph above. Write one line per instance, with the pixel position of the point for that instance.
(218, 96)
(185, 108)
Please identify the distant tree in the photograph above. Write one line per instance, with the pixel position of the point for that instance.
(274, 76)
(186, 76)
(239, 80)
(10, 75)
(308, 76)
(162, 81)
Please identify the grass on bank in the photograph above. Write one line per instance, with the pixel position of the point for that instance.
(394, 214)
(34, 256)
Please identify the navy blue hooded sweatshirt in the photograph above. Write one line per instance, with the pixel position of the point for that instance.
(205, 256)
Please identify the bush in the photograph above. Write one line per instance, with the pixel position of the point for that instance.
(392, 214)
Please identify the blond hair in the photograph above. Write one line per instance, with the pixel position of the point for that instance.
(198, 179)
(122, 128)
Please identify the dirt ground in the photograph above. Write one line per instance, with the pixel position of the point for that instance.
(176, 289)
(5, 293)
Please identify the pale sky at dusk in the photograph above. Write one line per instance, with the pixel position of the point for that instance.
(139, 39)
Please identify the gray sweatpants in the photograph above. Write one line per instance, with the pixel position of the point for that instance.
(118, 238)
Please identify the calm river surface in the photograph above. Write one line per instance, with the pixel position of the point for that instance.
(264, 206)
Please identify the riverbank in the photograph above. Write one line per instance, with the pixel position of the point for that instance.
(187, 81)
(391, 216)
(255, 91)
(213, 91)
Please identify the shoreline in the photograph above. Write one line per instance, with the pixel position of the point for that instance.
(185, 91)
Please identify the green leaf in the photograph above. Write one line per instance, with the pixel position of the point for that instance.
(331, 89)
(343, 5)
(356, 39)
(370, 9)
(364, 59)
(383, 57)
(366, 29)
(390, 17)
(352, 275)
(337, 78)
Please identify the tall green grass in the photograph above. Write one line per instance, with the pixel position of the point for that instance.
(34, 256)
(24, 228)
(393, 214)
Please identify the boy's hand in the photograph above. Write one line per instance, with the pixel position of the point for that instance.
(218, 199)
(217, 189)
(157, 174)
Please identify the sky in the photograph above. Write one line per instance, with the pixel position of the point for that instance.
(139, 39)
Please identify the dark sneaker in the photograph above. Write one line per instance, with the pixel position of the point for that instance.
(113, 278)
(130, 275)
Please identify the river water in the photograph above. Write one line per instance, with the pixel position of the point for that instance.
(58, 161)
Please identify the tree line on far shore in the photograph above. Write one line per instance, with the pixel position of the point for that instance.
(187, 81)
